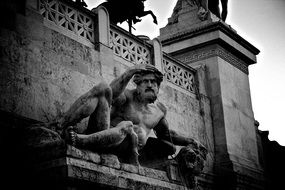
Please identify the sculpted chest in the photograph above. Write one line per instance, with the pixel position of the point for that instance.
(148, 117)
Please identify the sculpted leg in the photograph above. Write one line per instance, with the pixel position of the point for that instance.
(109, 139)
(144, 13)
(214, 7)
(99, 120)
(98, 98)
(224, 9)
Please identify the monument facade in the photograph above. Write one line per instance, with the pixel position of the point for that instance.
(60, 62)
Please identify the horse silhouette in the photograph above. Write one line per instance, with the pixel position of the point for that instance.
(127, 10)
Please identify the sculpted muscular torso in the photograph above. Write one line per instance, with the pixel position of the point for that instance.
(121, 120)
(144, 116)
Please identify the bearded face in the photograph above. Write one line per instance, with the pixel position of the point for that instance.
(147, 89)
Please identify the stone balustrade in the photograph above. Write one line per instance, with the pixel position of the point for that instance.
(68, 19)
(94, 27)
(129, 47)
(179, 74)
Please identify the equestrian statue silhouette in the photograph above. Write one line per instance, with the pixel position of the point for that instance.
(127, 10)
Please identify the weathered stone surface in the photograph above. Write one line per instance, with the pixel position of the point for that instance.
(41, 137)
(183, 113)
(173, 172)
(184, 18)
(49, 70)
(43, 71)
(110, 160)
(100, 175)
(129, 168)
(156, 174)
(83, 154)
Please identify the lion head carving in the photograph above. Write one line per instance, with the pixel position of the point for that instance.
(191, 160)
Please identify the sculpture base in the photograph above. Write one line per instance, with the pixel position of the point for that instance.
(84, 169)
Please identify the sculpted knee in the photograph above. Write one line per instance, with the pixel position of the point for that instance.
(128, 128)
(107, 92)
(102, 89)
(105, 88)
(126, 125)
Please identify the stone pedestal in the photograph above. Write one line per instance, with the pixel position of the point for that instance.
(226, 56)
(80, 169)
(184, 18)
(38, 158)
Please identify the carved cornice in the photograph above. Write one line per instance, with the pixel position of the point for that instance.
(227, 56)
(213, 51)
(213, 26)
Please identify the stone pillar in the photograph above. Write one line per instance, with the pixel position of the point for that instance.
(103, 27)
(226, 56)
(106, 58)
(157, 54)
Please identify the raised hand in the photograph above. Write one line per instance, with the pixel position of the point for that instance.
(143, 67)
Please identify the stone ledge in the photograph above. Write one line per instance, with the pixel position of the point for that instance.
(104, 170)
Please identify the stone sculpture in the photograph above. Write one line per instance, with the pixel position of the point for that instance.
(191, 160)
(214, 8)
(212, 5)
(121, 120)
(204, 6)
(127, 10)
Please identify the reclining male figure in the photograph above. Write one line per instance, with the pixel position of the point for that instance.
(121, 120)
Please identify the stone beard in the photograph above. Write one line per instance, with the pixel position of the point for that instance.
(148, 96)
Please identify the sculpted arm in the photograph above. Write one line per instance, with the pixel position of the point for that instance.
(181, 140)
(119, 84)
(163, 132)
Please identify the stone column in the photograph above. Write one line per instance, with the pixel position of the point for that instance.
(103, 27)
(226, 56)
(157, 54)
(106, 57)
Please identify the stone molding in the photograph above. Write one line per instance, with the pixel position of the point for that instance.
(209, 27)
(213, 51)
(104, 170)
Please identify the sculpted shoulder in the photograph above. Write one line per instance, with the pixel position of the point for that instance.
(162, 107)
(123, 98)
(129, 93)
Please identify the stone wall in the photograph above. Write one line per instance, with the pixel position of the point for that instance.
(45, 68)
(42, 70)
